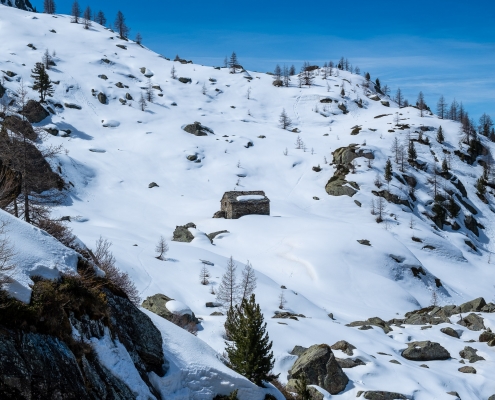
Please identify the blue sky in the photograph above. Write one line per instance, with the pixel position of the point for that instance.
(437, 46)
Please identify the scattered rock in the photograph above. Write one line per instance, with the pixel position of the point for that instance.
(344, 346)
(185, 80)
(152, 185)
(34, 112)
(385, 103)
(376, 321)
(121, 46)
(321, 368)
(345, 155)
(52, 131)
(219, 214)
(120, 85)
(470, 354)
(454, 394)
(192, 157)
(395, 362)
(316, 198)
(349, 362)
(213, 235)
(197, 129)
(380, 395)
(73, 106)
(288, 315)
(212, 304)
(338, 186)
(489, 308)
(182, 234)
(216, 314)
(449, 331)
(424, 366)
(104, 77)
(364, 242)
(102, 98)
(473, 322)
(128, 96)
(467, 370)
(471, 224)
(425, 351)
(19, 126)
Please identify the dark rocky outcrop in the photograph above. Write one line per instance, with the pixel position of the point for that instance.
(470, 306)
(182, 234)
(39, 358)
(391, 198)
(34, 112)
(185, 80)
(473, 322)
(19, 126)
(213, 235)
(197, 129)
(2, 90)
(20, 4)
(425, 351)
(321, 368)
(430, 315)
(345, 155)
(487, 336)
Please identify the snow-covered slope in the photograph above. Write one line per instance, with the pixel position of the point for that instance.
(310, 246)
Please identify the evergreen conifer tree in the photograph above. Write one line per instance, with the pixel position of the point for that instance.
(76, 12)
(284, 120)
(481, 186)
(49, 7)
(292, 70)
(249, 349)
(411, 151)
(233, 62)
(388, 171)
(228, 291)
(440, 137)
(100, 18)
(42, 82)
(452, 207)
(121, 26)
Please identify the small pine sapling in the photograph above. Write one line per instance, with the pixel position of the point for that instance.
(161, 248)
(204, 275)
(204, 89)
(440, 136)
(388, 171)
(248, 93)
(281, 300)
(173, 72)
(301, 387)
(284, 120)
(142, 103)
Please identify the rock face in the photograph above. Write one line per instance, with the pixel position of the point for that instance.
(425, 351)
(345, 155)
(467, 370)
(473, 322)
(487, 336)
(182, 234)
(19, 126)
(321, 368)
(34, 112)
(197, 129)
(376, 321)
(158, 305)
(473, 305)
(40, 366)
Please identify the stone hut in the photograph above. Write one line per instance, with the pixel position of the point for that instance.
(237, 204)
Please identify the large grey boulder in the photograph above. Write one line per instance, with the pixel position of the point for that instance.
(345, 155)
(182, 233)
(321, 368)
(34, 112)
(470, 306)
(338, 186)
(487, 336)
(158, 305)
(449, 331)
(473, 322)
(197, 129)
(425, 351)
